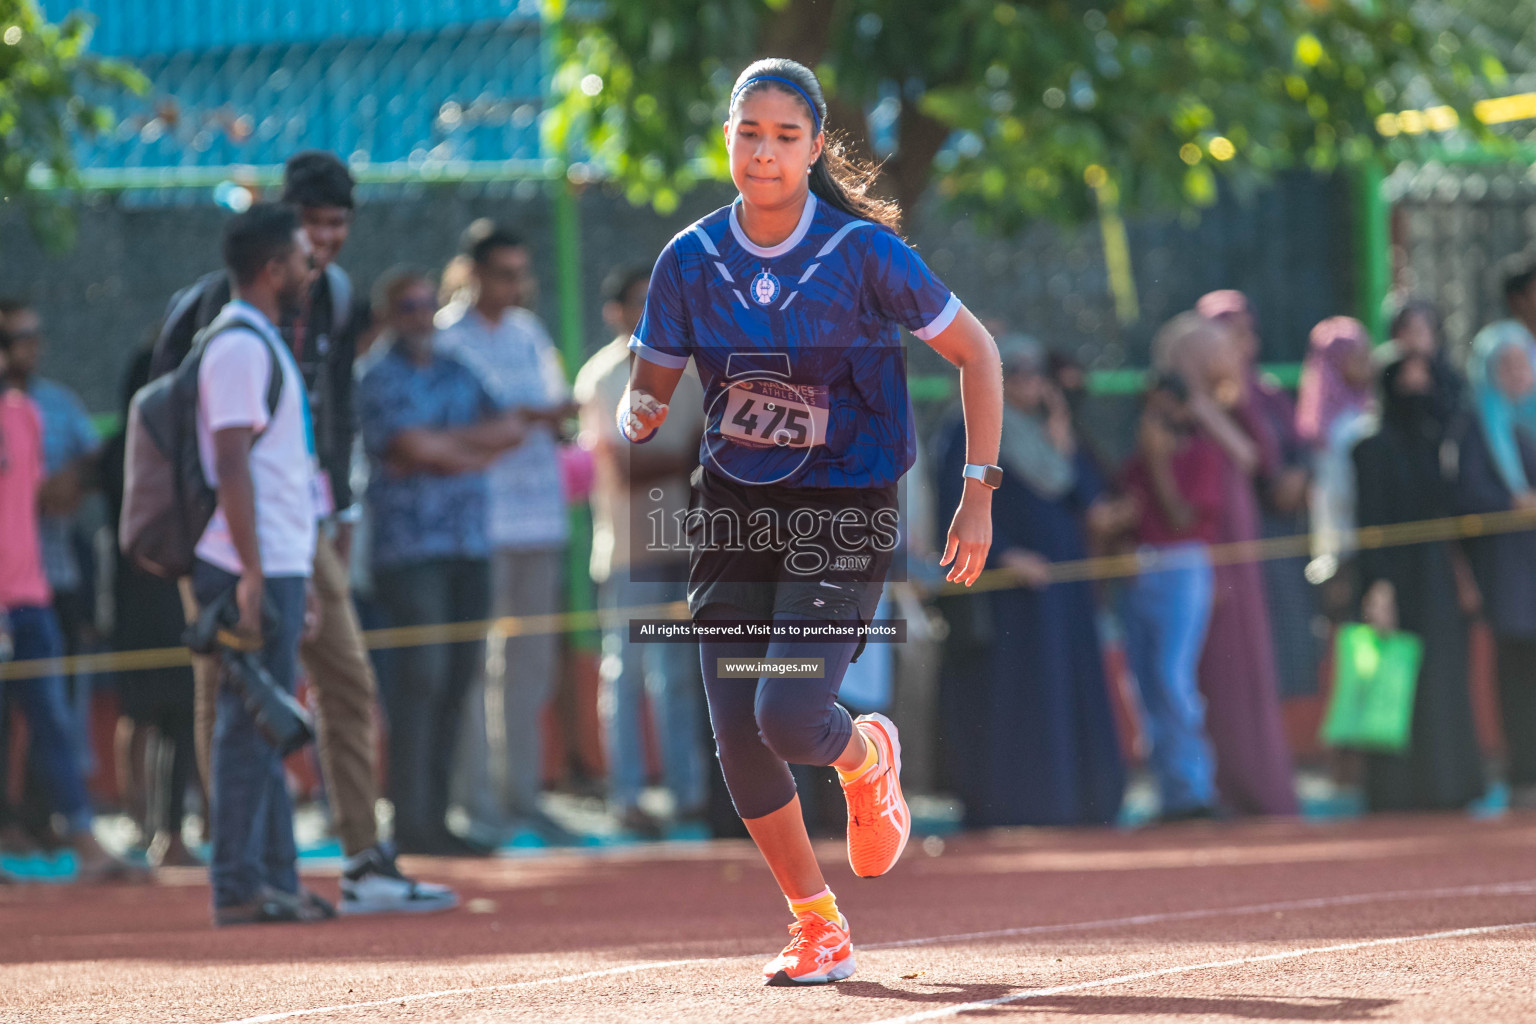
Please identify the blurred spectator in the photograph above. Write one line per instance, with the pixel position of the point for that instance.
(430, 428)
(70, 448)
(634, 485)
(511, 350)
(157, 751)
(1174, 484)
(260, 544)
(1237, 668)
(1065, 371)
(1520, 298)
(1520, 290)
(1030, 731)
(1415, 331)
(28, 621)
(1496, 468)
(1422, 588)
(1282, 482)
(321, 333)
(1335, 378)
(1334, 411)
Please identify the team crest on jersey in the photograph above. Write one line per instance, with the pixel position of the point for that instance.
(765, 288)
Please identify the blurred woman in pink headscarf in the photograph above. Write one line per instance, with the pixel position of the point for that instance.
(1335, 379)
(1333, 413)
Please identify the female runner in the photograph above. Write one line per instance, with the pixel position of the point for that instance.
(789, 302)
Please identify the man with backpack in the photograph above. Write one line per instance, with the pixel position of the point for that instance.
(255, 445)
(320, 333)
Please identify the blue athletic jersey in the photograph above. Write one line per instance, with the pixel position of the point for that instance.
(798, 345)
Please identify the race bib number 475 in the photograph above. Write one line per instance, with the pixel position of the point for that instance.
(768, 414)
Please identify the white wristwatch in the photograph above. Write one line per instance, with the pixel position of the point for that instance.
(990, 476)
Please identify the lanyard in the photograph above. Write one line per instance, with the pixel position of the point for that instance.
(304, 411)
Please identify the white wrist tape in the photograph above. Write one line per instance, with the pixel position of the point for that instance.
(630, 424)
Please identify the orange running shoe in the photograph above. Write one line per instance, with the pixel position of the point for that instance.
(819, 951)
(879, 823)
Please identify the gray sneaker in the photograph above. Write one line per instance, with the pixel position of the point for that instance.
(273, 906)
(371, 883)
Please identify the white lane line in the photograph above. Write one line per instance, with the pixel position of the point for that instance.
(1290, 954)
(475, 990)
(1501, 889)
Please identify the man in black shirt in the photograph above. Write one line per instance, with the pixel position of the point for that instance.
(323, 338)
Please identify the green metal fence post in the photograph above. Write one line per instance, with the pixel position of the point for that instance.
(581, 595)
(568, 268)
(1373, 248)
(579, 591)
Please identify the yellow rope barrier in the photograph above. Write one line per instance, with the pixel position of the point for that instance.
(1104, 567)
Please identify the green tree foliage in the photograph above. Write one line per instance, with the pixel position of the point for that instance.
(45, 74)
(1012, 110)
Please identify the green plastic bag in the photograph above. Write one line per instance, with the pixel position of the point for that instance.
(1374, 678)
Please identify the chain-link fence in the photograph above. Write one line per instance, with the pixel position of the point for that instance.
(1454, 229)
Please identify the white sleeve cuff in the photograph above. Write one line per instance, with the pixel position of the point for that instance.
(944, 319)
(651, 355)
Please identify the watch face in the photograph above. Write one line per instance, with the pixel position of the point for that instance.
(989, 476)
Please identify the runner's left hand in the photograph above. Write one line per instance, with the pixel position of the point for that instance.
(970, 535)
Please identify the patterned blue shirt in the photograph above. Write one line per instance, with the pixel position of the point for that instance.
(419, 517)
(68, 434)
(797, 345)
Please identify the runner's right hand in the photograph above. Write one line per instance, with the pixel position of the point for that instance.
(640, 414)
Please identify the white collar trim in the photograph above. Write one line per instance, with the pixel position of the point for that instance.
(796, 237)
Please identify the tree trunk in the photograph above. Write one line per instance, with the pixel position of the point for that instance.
(907, 173)
(800, 32)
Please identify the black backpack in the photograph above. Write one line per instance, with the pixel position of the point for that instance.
(167, 500)
(199, 304)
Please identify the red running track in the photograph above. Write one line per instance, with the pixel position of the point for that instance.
(1408, 919)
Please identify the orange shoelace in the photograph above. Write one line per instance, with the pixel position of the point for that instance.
(806, 934)
(865, 802)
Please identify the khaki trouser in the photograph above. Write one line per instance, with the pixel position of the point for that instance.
(337, 666)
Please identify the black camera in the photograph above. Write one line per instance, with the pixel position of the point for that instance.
(281, 720)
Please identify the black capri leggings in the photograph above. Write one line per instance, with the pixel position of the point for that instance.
(762, 725)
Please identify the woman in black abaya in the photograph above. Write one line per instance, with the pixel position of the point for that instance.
(1421, 588)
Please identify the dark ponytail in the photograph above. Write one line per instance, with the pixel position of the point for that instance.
(836, 178)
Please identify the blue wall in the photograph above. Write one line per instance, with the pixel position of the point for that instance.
(137, 28)
(251, 81)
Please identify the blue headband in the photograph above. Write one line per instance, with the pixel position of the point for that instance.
(815, 115)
